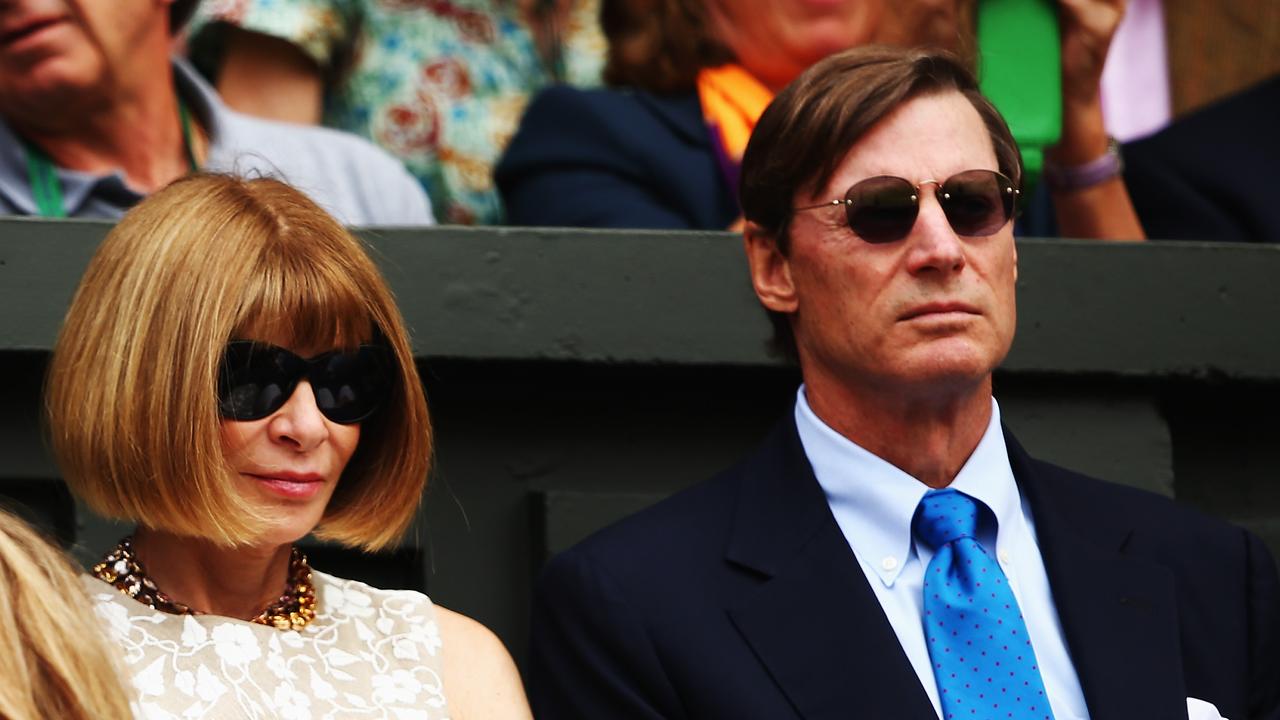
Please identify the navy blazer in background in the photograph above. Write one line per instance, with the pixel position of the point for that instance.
(740, 599)
(614, 159)
(1211, 174)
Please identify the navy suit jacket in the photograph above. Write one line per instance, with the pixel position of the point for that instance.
(614, 159)
(1210, 175)
(740, 598)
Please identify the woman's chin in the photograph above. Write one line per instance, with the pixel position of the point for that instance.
(279, 533)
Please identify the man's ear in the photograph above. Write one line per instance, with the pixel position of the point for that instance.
(770, 270)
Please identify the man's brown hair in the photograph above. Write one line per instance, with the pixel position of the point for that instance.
(805, 133)
(179, 13)
(659, 45)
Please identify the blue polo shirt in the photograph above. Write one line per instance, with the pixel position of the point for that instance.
(355, 181)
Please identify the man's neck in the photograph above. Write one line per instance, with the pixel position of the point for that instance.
(232, 582)
(928, 434)
(138, 132)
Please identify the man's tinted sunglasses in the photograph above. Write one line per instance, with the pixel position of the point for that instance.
(883, 209)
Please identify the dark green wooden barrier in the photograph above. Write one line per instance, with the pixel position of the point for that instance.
(575, 376)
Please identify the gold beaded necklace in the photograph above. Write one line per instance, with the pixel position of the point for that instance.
(296, 607)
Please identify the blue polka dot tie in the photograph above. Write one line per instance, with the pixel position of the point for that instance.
(982, 657)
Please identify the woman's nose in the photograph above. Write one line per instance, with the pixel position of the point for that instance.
(299, 422)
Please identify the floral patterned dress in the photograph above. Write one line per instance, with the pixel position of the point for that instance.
(368, 654)
(441, 84)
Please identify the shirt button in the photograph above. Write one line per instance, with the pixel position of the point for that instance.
(1004, 557)
(889, 563)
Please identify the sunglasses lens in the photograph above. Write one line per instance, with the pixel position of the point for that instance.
(349, 387)
(256, 380)
(977, 202)
(881, 209)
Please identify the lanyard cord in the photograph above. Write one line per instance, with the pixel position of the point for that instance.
(187, 144)
(46, 188)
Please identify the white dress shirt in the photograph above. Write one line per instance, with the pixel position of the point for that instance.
(874, 502)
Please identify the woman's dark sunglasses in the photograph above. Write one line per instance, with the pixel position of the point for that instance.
(883, 209)
(257, 379)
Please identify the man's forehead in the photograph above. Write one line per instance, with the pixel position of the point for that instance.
(929, 137)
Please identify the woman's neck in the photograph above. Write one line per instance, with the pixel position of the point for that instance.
(218, 580)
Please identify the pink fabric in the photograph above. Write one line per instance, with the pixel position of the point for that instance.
(1135, 81)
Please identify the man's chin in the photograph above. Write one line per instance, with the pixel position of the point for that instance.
(949, 367)
(55, 81)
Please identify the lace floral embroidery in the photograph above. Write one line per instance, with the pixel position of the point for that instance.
(368, 654)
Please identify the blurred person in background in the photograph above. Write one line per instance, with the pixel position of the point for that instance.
(661, 148)
(95, 114)
(440, 85)
(231, 408)
(54, 660)
(1208, 176)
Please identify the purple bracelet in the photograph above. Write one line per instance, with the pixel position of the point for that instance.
(1077, 177)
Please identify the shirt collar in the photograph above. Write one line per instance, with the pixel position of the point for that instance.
(15, 185)
(203, 103)
(874, 501)
(78, 187)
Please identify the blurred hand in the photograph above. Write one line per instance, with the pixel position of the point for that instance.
(1103, 211)
(1087, 29)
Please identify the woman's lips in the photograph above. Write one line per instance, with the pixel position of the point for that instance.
(294, 487)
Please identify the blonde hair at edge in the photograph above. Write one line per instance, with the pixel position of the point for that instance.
(53, 660)
(132, 389)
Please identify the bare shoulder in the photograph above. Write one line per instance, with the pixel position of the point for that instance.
(480, 679)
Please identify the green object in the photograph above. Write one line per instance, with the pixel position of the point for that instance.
(45, 186)
(1020, 70)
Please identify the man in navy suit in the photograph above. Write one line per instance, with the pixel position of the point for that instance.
(890, 551)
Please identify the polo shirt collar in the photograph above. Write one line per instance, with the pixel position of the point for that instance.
(15, 184)
(78, 187)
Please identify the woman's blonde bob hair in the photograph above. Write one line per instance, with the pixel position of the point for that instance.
(54, 659)
(131, 393)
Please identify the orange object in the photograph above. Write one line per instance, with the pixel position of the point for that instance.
(732, 101)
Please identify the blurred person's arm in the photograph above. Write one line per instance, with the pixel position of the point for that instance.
(270, 78)
(1103, 210)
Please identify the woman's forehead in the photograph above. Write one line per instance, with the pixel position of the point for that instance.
(306, 336)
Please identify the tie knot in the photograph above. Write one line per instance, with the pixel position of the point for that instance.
(945, 516)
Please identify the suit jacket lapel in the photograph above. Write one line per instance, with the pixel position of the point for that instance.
(1117, 612)
(814, 621)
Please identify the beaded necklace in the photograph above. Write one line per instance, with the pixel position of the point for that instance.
(296, 607)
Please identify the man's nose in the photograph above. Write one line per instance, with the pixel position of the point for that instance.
(933, 246)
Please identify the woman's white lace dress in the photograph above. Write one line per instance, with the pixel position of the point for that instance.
(369, 653)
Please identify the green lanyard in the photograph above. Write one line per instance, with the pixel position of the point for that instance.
(46, 189)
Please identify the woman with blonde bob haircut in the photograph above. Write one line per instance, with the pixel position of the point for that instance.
(233, 375)
(53, 658)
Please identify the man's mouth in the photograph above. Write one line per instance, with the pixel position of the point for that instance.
(940, 308)
(14, 33)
